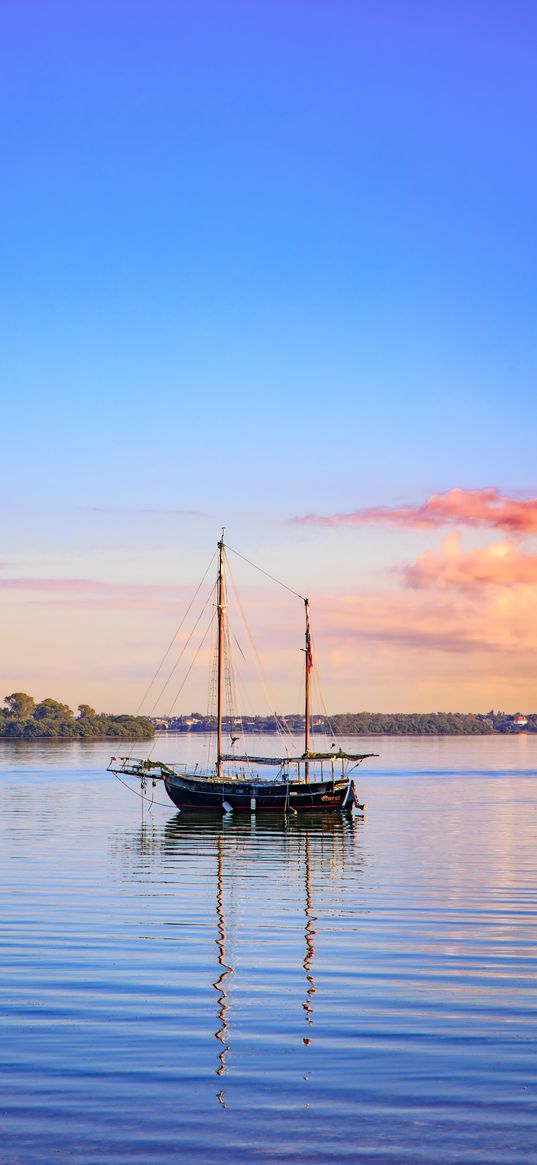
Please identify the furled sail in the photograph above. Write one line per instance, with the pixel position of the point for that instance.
(294, 760)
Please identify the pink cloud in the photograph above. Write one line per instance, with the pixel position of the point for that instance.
(456, 507)
(499, 565)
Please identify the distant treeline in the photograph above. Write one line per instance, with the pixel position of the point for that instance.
(427, 724)
(365, 724)
(23, 719)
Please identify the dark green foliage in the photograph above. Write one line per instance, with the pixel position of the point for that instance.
(51, 710)
(23, 719)
(411, 724)
(19, 705)
(371, 724)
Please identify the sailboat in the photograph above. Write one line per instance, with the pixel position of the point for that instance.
(311, 781)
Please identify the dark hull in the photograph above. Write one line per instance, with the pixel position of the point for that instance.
(250, 797)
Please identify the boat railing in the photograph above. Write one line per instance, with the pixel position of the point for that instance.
(132, 766)
(141, 768)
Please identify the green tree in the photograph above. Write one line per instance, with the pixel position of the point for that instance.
(52, 710)
(20, 705)
(85, 712)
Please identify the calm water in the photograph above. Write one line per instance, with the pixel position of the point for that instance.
(248, 990)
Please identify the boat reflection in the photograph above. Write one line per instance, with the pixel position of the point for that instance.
(303, 860)
(304, 849)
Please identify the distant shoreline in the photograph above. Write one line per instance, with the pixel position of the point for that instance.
(24, 719)
(368, 724)
(177, 733)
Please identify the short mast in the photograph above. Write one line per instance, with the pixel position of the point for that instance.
(220, 604)
(308, 666)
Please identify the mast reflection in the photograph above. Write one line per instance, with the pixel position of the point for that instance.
(220, 985)
(309, 934)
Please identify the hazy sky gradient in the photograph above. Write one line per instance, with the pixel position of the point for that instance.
(264, 261)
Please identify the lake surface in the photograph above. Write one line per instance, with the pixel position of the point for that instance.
(255, 990)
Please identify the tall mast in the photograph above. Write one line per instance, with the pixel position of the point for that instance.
(308, 666)
(220, 603)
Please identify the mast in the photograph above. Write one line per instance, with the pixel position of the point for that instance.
(308, 666)
(220, 603)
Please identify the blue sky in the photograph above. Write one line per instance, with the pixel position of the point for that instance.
(260, 261)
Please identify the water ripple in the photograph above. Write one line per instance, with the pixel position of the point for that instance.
(254, 990)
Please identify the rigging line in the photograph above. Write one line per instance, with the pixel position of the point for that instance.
(162, 804)
(167, 652)
(187, 673)
(282, 726)
(328, 719)
(240, 648)
(209, 625)
(269, 698)
(242, 730)
(319, 689)
(233, 687)
(230, 683)
(266, 573)
(182, 652)
(211, 708)
(236, 698)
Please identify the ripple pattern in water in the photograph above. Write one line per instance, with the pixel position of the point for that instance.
(243, 990)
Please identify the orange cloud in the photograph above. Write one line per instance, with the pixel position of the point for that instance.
(460, 507)
(499, 565)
